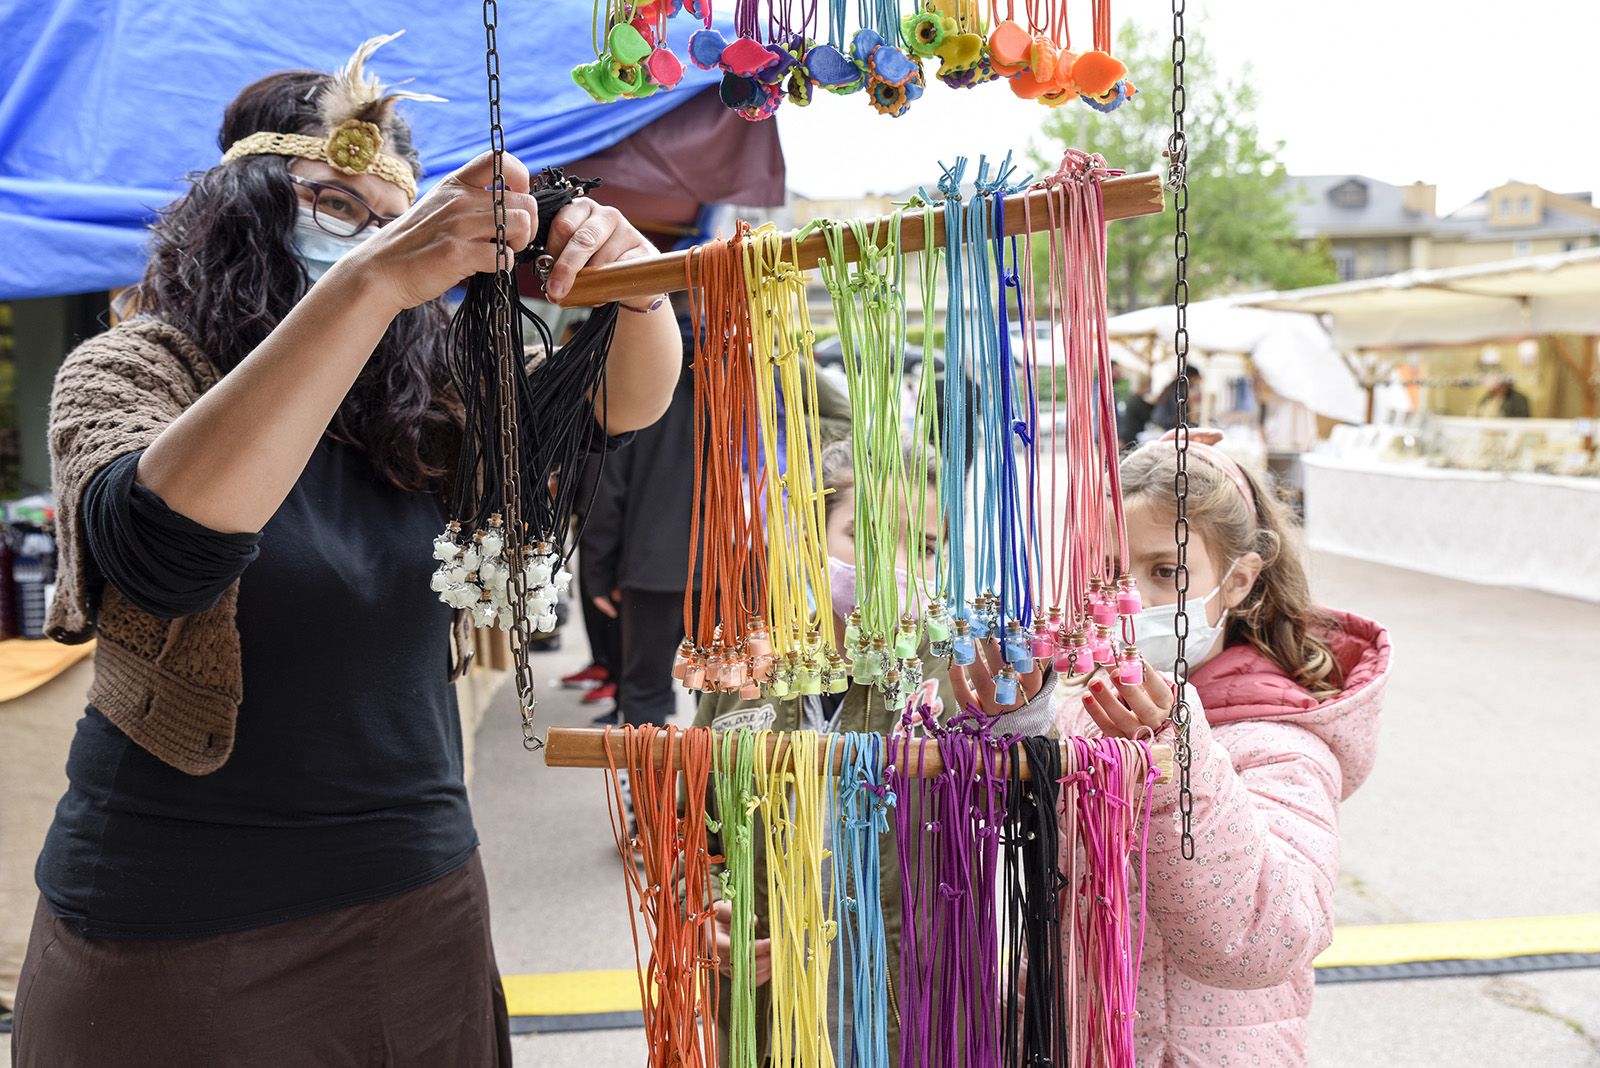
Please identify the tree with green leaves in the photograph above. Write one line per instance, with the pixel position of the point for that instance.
(1241, 226)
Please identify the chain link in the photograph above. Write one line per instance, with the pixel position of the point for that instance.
(1178, 179)
(504, 322)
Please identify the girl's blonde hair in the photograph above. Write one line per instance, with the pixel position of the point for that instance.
(1276, 616)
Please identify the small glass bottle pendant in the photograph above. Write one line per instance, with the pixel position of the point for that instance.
(1101, 645)
(852, 633)
(1005, 686)
(963, 649)
(1102, 606)
(757, 642)
(1130, 668)
(1074, 656)
(1018, 647)
(905, 640)
(1044, 636)
(680, 664)
(1128, 603)
(910, 676)
(978, 619)
(938, 623)
(835, 674)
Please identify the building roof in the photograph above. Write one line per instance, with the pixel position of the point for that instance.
(1353, 205)
(1563, 215)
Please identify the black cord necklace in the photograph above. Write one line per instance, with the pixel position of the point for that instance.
(1036, 1031)
(552, 427)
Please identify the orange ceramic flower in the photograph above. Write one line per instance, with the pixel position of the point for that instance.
(1097, 72)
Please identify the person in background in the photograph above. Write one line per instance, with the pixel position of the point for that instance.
(945, 690)
(634, 560)
(1133, 411)
(1285, 708)
(1164, 409)
(603, 629)
(1504, 400)
(265, 854)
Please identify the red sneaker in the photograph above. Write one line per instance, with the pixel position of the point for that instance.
(606, 691)
(593, 675)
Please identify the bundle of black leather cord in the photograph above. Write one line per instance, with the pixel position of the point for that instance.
(547, 417)
(1036, 1030)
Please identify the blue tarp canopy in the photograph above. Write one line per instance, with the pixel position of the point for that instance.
(106, 104)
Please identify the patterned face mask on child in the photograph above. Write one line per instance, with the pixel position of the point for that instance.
(842, 580)
(1155, 629)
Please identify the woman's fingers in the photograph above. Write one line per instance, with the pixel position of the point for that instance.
(721, 941)
(958, 686)
(1101, 720)
(1031, 682)
(1121, 719)
(1158, 688)
(520, 229)
(979, 682)
(622, 244)
(763, 959)
(721, 920)
(1139, 701)
(478, 173)
(577, 233)
(992, 655)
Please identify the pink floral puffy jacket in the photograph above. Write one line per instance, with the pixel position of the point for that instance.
(1231, 935)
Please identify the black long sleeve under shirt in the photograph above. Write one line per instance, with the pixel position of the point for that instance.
(345, 782)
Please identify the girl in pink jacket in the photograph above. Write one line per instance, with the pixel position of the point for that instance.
(1285, 702)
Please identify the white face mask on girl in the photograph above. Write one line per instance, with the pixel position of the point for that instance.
(1156, 634)
(316, 249)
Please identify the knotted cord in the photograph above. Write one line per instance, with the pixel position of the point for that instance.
(669, 890)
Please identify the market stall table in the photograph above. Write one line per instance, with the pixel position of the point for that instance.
(1540, 532)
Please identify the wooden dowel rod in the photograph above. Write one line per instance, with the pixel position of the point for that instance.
(1125, 198)
(585, 747)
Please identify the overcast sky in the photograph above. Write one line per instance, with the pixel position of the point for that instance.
(1462, 93)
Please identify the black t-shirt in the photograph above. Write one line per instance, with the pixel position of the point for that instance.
(345, 781)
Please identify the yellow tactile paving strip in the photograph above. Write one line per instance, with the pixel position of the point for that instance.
(617, 990)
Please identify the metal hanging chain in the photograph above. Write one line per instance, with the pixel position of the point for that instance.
(507, 365)
(1178, 180)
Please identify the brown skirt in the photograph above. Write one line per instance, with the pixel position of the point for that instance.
(406, 980)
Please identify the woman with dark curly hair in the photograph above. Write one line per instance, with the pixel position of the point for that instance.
(265, 854)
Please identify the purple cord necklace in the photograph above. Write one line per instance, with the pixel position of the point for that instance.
(949, 838)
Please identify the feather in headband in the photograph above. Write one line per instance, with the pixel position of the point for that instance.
(357, 109)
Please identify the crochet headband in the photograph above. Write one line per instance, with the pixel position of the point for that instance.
(358, 112)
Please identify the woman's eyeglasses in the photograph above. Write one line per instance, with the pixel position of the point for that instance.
(339, 211)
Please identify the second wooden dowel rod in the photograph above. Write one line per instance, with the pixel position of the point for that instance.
(1125, 198)
(585, 747)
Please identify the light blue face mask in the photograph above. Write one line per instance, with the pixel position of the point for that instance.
(316, 249)
(1155, 630)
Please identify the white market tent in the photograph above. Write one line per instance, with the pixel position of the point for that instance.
(1552, 294)
(1502, 527)
(1293, 353)
(1372, 320)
